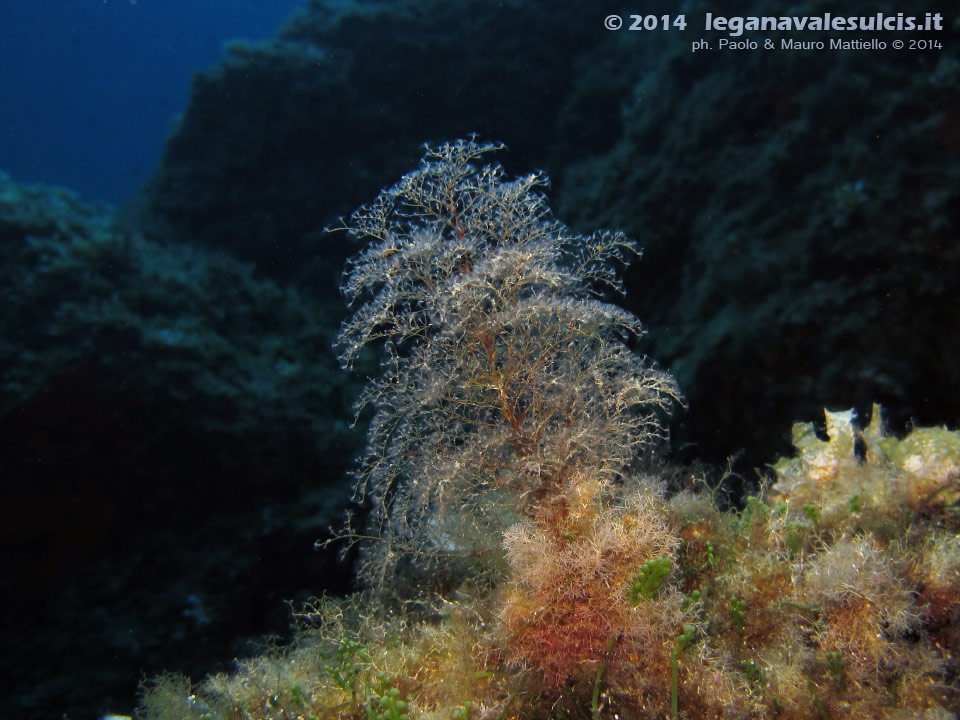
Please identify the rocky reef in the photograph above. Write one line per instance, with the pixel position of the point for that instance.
(834, 593)
(168, 380)
(527, 555)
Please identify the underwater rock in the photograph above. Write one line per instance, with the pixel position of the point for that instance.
(171, 429)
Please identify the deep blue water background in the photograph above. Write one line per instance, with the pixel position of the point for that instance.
(89, 89)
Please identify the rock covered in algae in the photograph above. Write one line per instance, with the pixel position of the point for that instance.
(920, 471)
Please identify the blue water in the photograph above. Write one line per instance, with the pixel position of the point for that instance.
(89, 89)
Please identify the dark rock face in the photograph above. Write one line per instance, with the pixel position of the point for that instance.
(174, 439)
(800, 215)
(286, 135)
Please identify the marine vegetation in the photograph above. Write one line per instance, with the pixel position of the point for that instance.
(521, 555)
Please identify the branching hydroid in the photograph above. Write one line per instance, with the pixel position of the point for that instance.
(506, 379)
